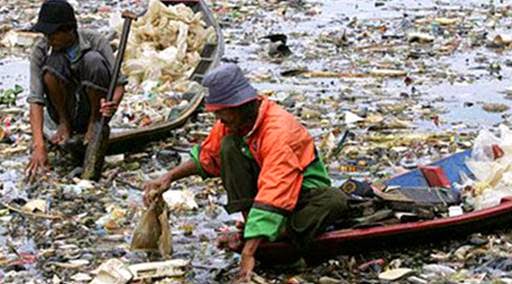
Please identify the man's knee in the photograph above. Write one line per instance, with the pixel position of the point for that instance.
(338, 201)
(94, 69)
(95, 62)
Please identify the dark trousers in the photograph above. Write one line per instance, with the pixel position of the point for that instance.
(316, 208)
(91, 70)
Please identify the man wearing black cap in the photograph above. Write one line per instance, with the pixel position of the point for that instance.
(70, 71)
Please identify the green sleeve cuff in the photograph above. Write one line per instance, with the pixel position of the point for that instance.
(262, 223)
(194, 155)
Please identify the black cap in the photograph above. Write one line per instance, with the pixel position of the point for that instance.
(53, 15)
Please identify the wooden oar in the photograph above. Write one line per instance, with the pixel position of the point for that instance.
(97, 148)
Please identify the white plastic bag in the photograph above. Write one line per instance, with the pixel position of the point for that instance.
(494, 175)
(482, 148)
(491, 198)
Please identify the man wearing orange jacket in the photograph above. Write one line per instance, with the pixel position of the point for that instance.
(268, 165)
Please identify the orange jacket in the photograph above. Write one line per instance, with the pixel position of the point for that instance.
(281, 146)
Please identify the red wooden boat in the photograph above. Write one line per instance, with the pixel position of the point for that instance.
(360, 240)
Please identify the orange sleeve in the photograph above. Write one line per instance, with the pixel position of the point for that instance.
(280, 179)
(209, 152)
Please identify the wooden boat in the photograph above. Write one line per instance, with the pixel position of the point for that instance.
(342, 241)
(121, 139)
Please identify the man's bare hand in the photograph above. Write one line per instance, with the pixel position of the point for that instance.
(247, 263)
(38, 162)
(155, 188)
(107, 109)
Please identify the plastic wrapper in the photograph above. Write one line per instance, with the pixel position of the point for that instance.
(153, 233)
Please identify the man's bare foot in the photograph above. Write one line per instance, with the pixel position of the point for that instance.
(62, 135)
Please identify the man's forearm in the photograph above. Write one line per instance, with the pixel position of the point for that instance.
(182, 171)
(118, 95)
(250, 246)
(36, 124)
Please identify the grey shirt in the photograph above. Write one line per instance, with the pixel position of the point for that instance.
(88, 40)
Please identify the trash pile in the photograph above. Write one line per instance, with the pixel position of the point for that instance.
(164, 48)
(476, 259)
(491, 163)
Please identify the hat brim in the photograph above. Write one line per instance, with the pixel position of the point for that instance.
(216, 107)
(46, 28)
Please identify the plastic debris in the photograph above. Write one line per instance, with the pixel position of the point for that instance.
(19, 38)
(150, 270)
(495, 107)
(388, 73)
(115, 159)
(35, 205)
(502, 40)
(395, 274)
(438, 269)
(153, 231)
(180, 199)
(455, 211)
(420, 37)
(351, 118)
(113, 271)
(81, 277)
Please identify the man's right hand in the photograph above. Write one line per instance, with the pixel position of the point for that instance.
(38, 161)
(155, 188)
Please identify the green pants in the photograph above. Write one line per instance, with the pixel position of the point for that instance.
(315, 210)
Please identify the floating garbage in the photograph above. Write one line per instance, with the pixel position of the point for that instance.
(438, 269)
(19, 38)
(151, 270)
(387, 73)
(180, 199)
(3, 133)
(502, 40)
(495, 107)
(395, 274)
(420, 37)
(81, 277)
(113, 271)
(446, 21)
(35, 205)
(442, 50)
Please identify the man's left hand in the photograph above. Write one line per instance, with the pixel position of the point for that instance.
(107, 109)
(247, 261)
(246, 267)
